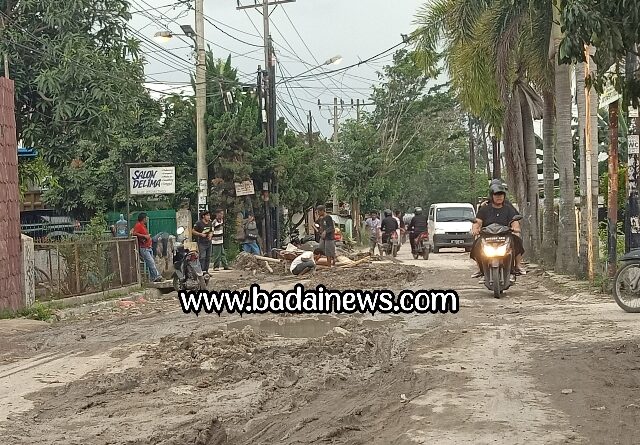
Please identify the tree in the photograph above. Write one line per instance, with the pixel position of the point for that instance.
(77, 74)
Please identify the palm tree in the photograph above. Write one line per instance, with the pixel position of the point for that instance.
(494, 52)
(566, 259)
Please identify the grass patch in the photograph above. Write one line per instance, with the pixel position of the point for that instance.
(39, 311)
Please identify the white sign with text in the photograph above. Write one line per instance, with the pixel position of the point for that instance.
(152, 180)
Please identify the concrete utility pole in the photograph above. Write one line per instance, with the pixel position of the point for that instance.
(310, 129)
(201, 105)
(335, 137)
(612, 212)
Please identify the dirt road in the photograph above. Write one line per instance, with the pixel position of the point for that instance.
(556, 364)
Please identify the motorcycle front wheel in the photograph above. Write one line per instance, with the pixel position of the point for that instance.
(176, 284)
(495, 277)
(626, 287)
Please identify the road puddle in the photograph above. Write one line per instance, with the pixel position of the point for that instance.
(305, 327)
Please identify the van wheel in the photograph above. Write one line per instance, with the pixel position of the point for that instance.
(467, 249)
(436, 249)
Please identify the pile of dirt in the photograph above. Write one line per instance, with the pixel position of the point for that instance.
(248, 262)
(367, 276)
(218, 357)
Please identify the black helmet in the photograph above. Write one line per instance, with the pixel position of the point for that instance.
(498, 181)
(497, 188)
(387, 212)
(418, 210)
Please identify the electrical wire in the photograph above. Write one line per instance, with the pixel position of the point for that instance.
(362, 62)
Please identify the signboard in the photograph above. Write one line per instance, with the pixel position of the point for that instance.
(152, 180)
(609, 94)
(633, 112)
(634, 144)
(244, 188)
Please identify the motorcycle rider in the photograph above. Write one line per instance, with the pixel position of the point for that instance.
(388, 226)
(497, 211)
(417, 226)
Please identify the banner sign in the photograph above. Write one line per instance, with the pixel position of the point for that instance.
(244, 188)
(152, 180)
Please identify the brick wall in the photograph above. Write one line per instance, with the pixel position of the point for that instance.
(10, 254)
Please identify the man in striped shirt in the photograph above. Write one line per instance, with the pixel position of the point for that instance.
(217, 241)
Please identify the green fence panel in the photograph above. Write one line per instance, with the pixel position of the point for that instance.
(159, 220)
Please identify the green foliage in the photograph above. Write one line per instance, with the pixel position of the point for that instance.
(39, 311)
(77, 75)
(612, 28)
(622, 186)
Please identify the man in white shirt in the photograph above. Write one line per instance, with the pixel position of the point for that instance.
(305, 263)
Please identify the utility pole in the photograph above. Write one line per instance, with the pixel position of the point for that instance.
(335, 141)
(201, 104)
(336, 127)
(270, 108)
(310, 129)
(612, 207)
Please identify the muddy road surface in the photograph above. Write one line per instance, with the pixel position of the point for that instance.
(548, 363)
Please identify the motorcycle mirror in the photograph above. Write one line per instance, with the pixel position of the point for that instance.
(517, 218)
(180, 230)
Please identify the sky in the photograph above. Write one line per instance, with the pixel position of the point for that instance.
(305, 33)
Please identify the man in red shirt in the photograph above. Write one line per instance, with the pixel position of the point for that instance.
(144, 246)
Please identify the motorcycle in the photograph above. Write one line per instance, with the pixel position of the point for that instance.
(626, 284)
(392, 244)
(497, 258)
(422, 246)
(188, 274)
(297, 240)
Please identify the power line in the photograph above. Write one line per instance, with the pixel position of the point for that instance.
(232, 36)
(362, 62)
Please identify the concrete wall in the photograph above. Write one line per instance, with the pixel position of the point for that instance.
(11, 280)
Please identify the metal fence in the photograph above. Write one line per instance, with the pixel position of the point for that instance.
(66, 269)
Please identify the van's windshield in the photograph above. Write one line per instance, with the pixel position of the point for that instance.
(450, 214)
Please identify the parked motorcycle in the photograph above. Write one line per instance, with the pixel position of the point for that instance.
(297, 240)
(626, 285)
(498, 258)
(422, 246)
(392, 245)
(188, 274)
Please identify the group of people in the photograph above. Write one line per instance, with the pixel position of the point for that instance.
(496, 209)
(209, 234)
(380, 231)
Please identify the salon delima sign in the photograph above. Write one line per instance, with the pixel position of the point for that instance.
(152, 180)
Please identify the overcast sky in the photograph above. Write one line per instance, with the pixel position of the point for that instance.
(354, 29)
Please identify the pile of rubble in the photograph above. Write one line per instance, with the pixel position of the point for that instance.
(256, 263)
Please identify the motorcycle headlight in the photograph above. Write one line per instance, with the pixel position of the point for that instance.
(491, 251)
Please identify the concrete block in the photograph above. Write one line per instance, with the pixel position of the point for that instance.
(28, 271)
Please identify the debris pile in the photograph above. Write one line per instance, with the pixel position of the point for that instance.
(367, 276)
(256, 263)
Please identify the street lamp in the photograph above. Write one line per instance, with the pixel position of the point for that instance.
(335, 60)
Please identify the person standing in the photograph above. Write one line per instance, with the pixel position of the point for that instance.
(250, 244)
(217, 241)
(327, 231)
(144, 246)
(202, 231)
(373, 223)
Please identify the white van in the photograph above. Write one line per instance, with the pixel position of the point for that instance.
(450, 226)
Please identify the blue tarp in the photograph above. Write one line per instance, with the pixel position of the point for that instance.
(24, 152)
